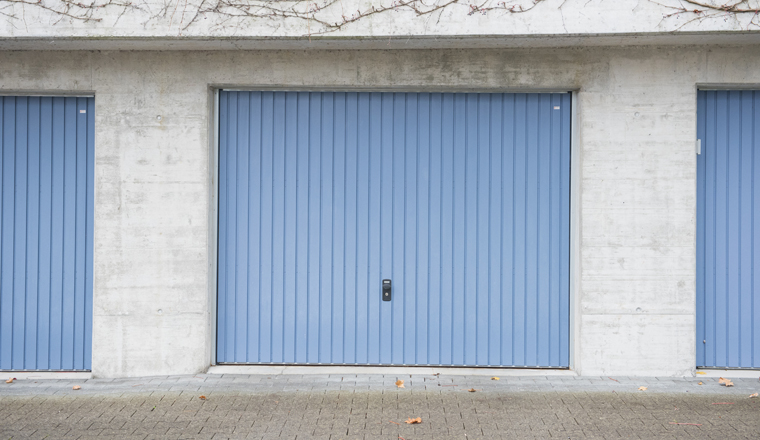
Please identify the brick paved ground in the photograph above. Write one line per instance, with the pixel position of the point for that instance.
(371, 407)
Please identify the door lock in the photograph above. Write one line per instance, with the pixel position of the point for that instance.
(386, 290)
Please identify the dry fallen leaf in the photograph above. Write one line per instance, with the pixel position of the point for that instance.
(400, 383)
(472, 390)
(202, 397)
(494, 378)
(412, 421)
(701, 372)
(76, 387)
(725, 382)
(701, 383)
(751, 396)
(642, 388)
(10, 380)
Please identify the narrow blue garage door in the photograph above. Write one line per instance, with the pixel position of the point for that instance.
(46, 191)
(460, 200)
(728, 229)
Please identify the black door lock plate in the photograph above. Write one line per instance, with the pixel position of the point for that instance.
(386, 290)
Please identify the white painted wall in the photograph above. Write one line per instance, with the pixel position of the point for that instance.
(156, 19)
(637, 121)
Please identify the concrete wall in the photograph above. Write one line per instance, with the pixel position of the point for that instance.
(635, 275)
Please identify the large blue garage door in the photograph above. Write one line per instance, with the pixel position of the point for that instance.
(460, 201)
(46, 191)
(728, 229)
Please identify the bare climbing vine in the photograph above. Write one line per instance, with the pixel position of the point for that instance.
(75, 10)
(698, 11)
(331, 15)
(326, 16)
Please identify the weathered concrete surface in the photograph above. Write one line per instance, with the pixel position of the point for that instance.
(372, 407)
(634, 311)
(399, 42)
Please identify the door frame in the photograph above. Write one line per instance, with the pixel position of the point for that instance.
(574, 343)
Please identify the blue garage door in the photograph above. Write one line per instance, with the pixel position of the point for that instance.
(461, 201)
(728, 229)
(46, 233)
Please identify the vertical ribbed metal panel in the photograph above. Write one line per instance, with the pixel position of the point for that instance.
(462, 200)
(728, 239)
(46, 232)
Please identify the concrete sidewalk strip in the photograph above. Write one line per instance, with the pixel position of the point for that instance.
(313, 406)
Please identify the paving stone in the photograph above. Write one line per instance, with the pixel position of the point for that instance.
(372, 407)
